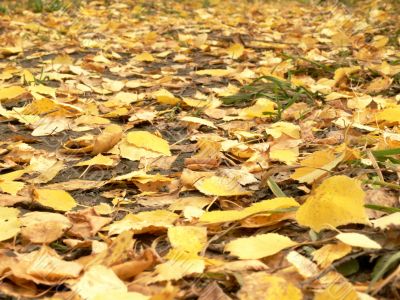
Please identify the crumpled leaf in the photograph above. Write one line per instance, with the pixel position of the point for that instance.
(107, 139)
(43, 227)
(220, 186)
(258, 246)
(98, 280)
(339, 200)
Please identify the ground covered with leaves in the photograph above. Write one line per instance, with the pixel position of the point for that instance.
(199, 150)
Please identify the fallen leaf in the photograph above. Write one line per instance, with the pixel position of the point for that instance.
(107, 139)
(357, 240)
(261, 285)
(258, 246)
(56, 199)
(43, 227)
(339, 200)
(148, 141)
(9, 222)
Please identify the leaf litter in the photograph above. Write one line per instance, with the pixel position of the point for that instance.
(199, 150)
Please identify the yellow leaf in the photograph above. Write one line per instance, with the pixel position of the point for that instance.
(357, 240)
(98, 160)
(288, 156)
(260, 207)
(279, 128)
(339, 290)
(27, 76)
(11, 187)
(220, 186)
(188, 238)
(144, 221)
(259, 246)
(235, 51)
(165, 97)
(327, 254)
(9, 223)
(145, 56)
(341, 73)
(62, 60)
(263, 108)
(180, 263)
(263, 286)
(11, 92)
(98, 280)
(316, 165)
(214, 72)
(131, 152)
(391, 114)
(148, 141)
(56, 199)
(339, 200)
(38, 90)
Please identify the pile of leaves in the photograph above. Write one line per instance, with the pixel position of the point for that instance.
(200, 150)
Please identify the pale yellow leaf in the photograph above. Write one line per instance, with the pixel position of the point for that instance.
(120, 295)
(339, 200)
(56, 199)
(358, 240)
(198, 121)
(258, 246)
(386, 222)
(98, 280)
(9, 223)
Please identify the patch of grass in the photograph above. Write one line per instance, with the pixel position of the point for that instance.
(282, 92)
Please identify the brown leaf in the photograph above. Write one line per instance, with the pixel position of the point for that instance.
(86, 222)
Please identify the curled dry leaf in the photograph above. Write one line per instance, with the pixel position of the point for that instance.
(110, 136)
